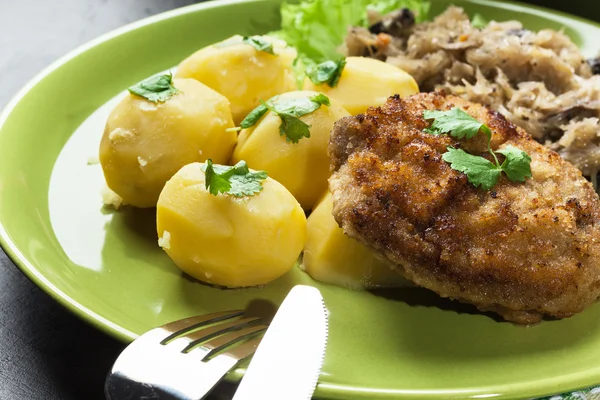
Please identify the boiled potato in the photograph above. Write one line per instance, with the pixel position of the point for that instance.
(226, 240)
(366, 82)
(303, 167)
(242, 73)
(145, 143)
(332, 257)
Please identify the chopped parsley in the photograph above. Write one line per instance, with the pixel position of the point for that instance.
(455, 122)
(254, 116)
(156, 88)
(259, 44)
(237, 181)
(479, 170)
(328, 72)
(517, 164)
(289, 111)
(478, 21)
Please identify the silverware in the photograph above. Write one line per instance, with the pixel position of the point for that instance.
(166, 363)
(287, 364)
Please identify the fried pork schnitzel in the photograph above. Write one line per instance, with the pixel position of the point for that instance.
(522, 250)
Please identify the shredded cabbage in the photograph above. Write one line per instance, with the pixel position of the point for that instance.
(316, 28)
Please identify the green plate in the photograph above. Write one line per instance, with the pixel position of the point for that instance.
(107, 267)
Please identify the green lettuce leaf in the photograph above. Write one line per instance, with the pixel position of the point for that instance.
(316, 28)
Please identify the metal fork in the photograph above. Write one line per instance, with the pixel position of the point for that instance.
(167, 363)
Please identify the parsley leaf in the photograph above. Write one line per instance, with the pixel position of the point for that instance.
(300, 65)
(517, 165)
(328, 72)
(298, 106)
(259, 44)
(289, 111)
(237, 181)
(479, 21)
(156, 88)
(244, 182)
(321, 99)
(479, 171)
(293, 128)
(254, 116)
(455, 122)
(215, 183)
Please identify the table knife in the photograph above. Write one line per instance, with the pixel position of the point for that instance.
(288, 361)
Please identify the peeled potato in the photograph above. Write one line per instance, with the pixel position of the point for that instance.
(303, 167)
(145, 143)
(226, 240)
(366, 82)
(242, 73)
(332, 257)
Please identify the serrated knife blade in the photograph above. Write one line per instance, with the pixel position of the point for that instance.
(288, 361)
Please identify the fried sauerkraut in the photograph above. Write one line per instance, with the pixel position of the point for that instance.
(539, 80)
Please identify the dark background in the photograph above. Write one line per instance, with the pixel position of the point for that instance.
(45, 352)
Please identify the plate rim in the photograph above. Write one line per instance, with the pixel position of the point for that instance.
(6, 243)
(516, 390)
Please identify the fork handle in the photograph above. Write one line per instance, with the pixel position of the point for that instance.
(192, 387)
(120, 388)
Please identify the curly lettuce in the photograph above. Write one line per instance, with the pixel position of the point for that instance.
(316, 28)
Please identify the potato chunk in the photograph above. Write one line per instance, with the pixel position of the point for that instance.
(303, 167)
(366, 82)
(242, 73)
(332, 257)
(145, 143)
(226, 240)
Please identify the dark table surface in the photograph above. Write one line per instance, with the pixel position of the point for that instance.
(46, 352)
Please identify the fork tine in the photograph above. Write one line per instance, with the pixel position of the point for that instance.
(242, 351)
(218, 344)
(187, 324)
(195, 337)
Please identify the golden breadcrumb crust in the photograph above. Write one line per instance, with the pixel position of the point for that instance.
(522, 250)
